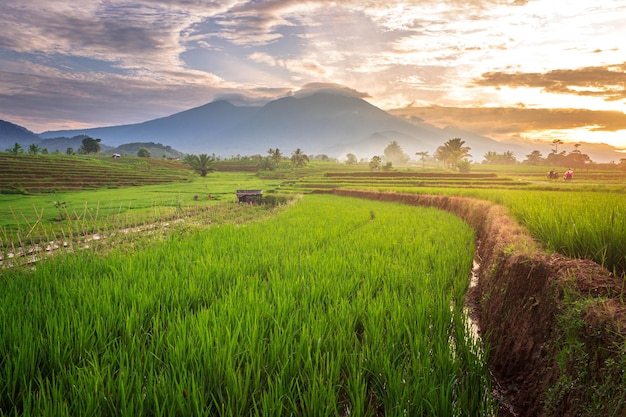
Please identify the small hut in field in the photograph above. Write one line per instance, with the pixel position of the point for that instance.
(250, 196)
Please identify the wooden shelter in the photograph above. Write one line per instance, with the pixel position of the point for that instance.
(249, 196)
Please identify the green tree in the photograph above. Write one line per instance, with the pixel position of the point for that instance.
(69, 151)
(17, 148)
(394, 154)
(275, 155)
(351, 159)
(202, 164)
(89, 146)
(556, 159)
(375, 162)
(534, 158)
(577, 159)
(451, 152)
(143, 153)
(299, 158)
(34, 149)
(464, 165)
(494, 158)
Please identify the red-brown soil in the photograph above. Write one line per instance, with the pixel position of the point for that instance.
(518, 299)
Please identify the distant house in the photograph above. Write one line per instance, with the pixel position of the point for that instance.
(116, 155)
(249, 196)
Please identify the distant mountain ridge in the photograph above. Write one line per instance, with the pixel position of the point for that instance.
(16, 133)
(324, 122)
(319, 123)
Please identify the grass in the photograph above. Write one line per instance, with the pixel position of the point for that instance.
(326, 309)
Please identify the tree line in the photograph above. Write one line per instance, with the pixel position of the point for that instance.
(453, 154)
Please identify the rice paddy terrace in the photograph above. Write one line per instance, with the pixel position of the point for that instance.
(50, 173)
(556, 324)
(506, 178)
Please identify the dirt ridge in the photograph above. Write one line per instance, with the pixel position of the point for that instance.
(520, 294)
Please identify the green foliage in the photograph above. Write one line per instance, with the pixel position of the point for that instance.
(202, 164)
(494, 158)
(590, 380)
(34, 149)
(275, 156)
(143, 153)
(375, 163)
(351, 159)
(394, 154)
(464, 166)
(90, 146)
(299, 159)
(16, 149)
(154, 149)
(451, 152)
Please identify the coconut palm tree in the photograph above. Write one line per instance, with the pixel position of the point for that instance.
(275, 155)
(452, 152)
(298, 158)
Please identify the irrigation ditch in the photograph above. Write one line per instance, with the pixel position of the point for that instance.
(555, 326)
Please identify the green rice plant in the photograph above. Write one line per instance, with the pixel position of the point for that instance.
(318, 310)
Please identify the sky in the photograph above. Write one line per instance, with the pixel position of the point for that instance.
(508, 69)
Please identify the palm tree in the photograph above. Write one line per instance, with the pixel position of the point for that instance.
(298, 158)
(202, 164)
(451, 152)
(275, 155)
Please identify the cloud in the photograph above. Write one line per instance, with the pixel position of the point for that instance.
(509, 120)
(607, 82)
(312, 88)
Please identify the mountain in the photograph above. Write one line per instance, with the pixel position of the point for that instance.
(11, 133)
(324, 122)
(321, 123)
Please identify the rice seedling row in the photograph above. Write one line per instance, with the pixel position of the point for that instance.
(575, 220)
(334, 307)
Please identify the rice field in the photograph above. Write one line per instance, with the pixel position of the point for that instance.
(334, 307)
(24, 173)
(582, 219)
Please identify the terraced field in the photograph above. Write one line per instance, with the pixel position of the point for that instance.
(51, 173)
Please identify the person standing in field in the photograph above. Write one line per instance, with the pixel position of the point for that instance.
(569, 174)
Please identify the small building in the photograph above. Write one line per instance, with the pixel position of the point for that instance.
(249, 196)
(116, 155)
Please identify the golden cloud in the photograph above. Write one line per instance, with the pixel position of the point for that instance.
(512, 120)
(608, 82)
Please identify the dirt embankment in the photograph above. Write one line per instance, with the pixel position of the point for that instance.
(522, 296)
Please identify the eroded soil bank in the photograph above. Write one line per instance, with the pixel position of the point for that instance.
(555, 326)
